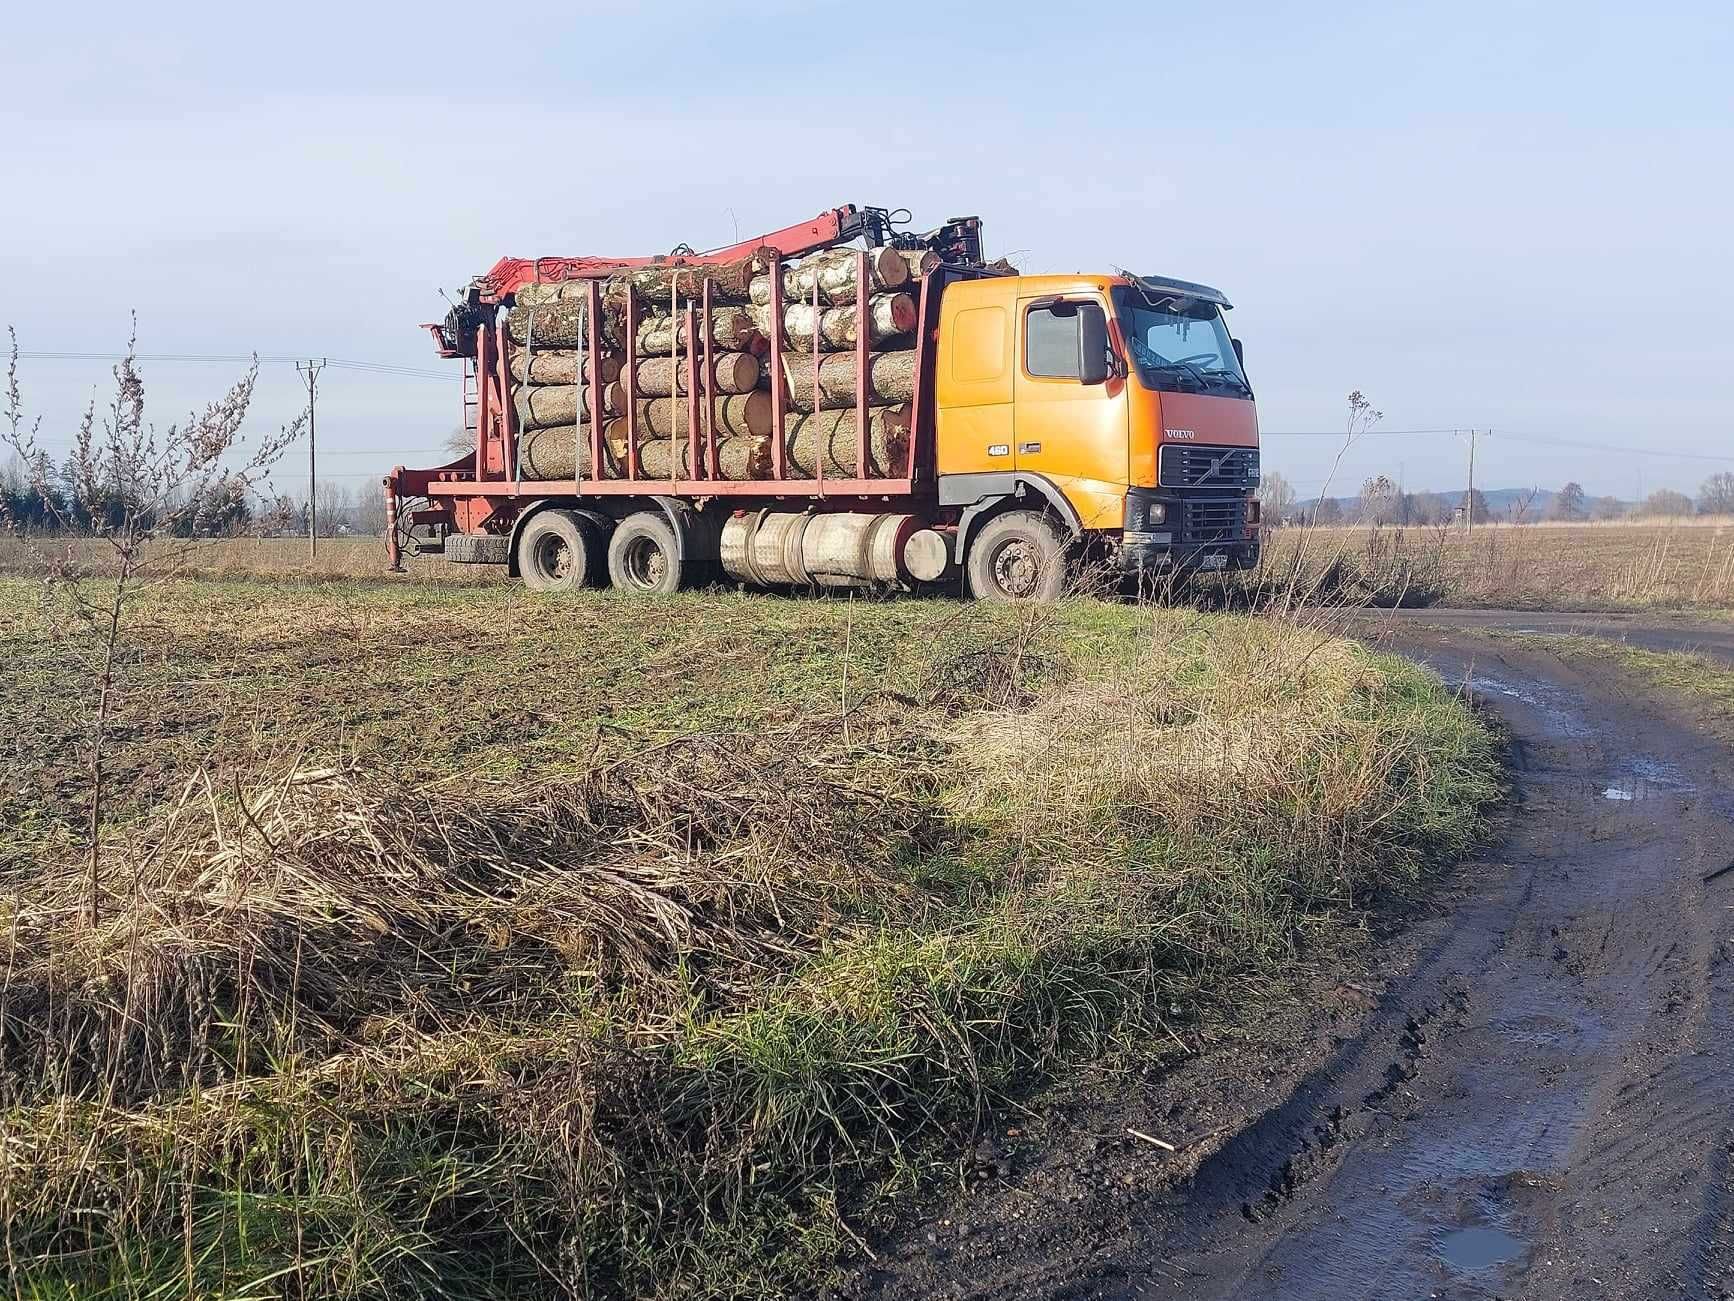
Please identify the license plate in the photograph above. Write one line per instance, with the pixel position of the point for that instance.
(1213, 562)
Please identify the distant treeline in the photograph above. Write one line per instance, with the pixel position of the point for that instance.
(40, 499)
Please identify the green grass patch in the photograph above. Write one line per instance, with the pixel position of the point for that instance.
(645, 947)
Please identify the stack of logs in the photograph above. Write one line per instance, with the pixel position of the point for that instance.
(551, 384)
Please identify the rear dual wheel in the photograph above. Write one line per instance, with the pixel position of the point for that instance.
(645, 555)
(560, 551)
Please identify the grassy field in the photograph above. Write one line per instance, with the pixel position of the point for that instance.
(1684, 564)
(458, 942)
(1620, 565)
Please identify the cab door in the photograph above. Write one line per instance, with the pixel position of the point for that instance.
(1073, 432)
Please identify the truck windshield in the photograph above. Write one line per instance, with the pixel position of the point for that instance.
(1177, 344)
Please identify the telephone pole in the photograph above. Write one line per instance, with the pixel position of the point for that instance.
(310, 371)
(1469, 497)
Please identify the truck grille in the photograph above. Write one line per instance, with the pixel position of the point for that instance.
(1205, 522)
(1184, 465)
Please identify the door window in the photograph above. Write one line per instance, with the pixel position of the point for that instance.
(1053, 341)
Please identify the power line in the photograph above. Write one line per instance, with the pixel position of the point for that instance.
(239, 359)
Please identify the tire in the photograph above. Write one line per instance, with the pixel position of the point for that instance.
(559, 552)
(1017, 556)
(645, 555)
(476, 549)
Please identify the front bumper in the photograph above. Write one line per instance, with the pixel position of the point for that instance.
(1166, 530)
(1147, 553)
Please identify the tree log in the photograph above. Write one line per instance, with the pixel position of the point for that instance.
(889, 315)
(547, 292)
(920, 261)
(832, 435)
(743, 415)
(554, 325)
(731, 372)
(890, 378)
(736, 458)
(544, 406)
(730, 282)
(731, 328)
(555, 453)
(834, 271)
(561, 366)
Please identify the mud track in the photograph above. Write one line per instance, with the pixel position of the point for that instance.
(1528, 1091)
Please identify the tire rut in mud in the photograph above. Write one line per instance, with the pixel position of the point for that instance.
(1541, 1103)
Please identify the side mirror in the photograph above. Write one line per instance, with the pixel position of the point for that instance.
(1239, 353)
(1093, 363)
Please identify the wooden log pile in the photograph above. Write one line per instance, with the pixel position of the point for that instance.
(550, 366)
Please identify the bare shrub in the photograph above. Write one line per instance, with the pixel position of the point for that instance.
(129, 484)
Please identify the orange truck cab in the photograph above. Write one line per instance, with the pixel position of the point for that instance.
(1046, 420)
(1120, 401)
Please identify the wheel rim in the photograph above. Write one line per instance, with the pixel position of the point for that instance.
(645, 564)
(554, 559)
(1017, 568)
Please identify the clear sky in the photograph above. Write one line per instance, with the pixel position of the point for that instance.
(1509, 215)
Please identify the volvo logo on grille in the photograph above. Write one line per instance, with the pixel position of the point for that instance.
(1184, 434)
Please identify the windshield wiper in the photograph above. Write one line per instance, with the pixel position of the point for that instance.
(1233, 377)
(1188, 367)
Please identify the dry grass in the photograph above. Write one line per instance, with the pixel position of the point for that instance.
(601, 947)
(1677, 563)
(1615, 565)
(279, 558)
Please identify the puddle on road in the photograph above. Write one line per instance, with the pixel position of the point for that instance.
(1644, 777)
(1478, 1248)
(1560, 711)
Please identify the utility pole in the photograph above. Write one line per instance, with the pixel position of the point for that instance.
(1469, 497)
(310, 371)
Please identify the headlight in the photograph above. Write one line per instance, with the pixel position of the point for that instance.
(1156, 512)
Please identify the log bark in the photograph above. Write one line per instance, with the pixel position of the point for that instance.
(551, 291)
(731, 329)
(731, 372)
(920, 261)
(890, 378)
(554, 325)
(834, 272)
(561, 366)
(832, 435)
(889, 315)
(544, 406)
(745, 415)
(554, 453)
(730, 282)
(736, 458)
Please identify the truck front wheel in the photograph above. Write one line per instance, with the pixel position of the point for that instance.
(644, 555)
(560, 552)
(1017, 556)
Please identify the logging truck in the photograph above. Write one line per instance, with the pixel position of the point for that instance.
(837, 404)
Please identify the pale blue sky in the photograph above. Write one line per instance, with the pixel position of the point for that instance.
(1511, 215)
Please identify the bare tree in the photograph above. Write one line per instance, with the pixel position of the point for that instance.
(1426, 508)
(137, 489)
(1518, 511)
(1276, 498)
(1570, 503)
(1716, 495)
(1607, 508)
(1664, 501)
(1379, 502)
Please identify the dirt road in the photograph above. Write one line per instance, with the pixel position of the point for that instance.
(1537, 1100)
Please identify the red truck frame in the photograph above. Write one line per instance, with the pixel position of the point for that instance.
(477, 488)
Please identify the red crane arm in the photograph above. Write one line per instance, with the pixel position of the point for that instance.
(830, 227)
